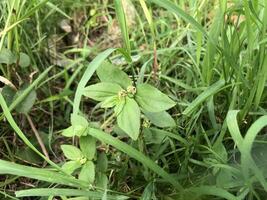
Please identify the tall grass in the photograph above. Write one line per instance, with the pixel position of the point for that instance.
(208, 56)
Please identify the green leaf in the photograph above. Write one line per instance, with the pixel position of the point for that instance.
(224, 178)
(129, 118)
(70, 166)
(221, 153)
(153, 136)
(27, 103)
(68, 132)
(110, 73)
(160, 119)
(88, 172)
(102, 163)
(24, 60)
(231, 120)
(247, 161)
(119, 107)
(86, 77)
(123, 24)
(164, 133)
(45, 192)
(88, 146)
(101, 180)
(149, 192)
(101, 91)
(151, 99)
(7, 57)
(110, 102)
(8, 94)
(79, 125)
(71, 152)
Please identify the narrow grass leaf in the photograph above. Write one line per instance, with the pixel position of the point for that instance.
(170, 6)
(106, 138)
(87, 75)
(213, 191)
(231, 120)
(16, 128)
(213, 89)
(123, 24)
(247, 161)
(39, 174)
(171, 135)
(26, 92)
(45, 192)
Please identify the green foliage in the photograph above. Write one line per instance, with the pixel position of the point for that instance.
(81, 158)
(160, 119)
(88, 172)
(70, 166)
(88, 146)
(24, 60)
(151, 99)
(129, 101)
(27, 103)
(102, 91)
(71, 152)
(112, 74)
(7, 57)
(175, 109)
(129, 118)
(79, 126)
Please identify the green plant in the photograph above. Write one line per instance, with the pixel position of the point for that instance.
(117, 90)
(174, 108)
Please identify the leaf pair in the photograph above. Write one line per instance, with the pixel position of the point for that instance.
(81, 158)
(116, 91)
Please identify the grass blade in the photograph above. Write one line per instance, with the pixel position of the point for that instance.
(123, 24)
(231, 120)
(39, 174)
(178, 11)
(214, 191)
(21, 97)
(20, 133)
(106, 138)
(44, 192)
(87, 75)
(213, 89)
(247, 161)
(53, 6)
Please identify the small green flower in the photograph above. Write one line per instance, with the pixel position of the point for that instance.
(122, 94)
(131, 90)
(82, 160)
(146, 123)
